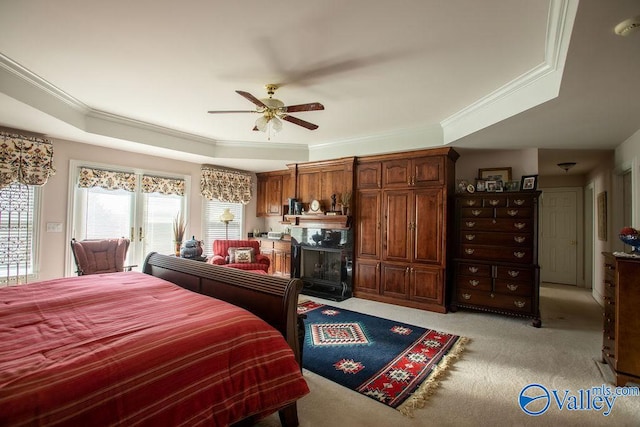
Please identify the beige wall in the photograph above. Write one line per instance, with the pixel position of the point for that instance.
(522, 162)
(53, 250)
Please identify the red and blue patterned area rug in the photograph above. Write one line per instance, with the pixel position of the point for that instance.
(394, 363)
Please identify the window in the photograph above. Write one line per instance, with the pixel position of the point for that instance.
(110, 203)
(17, 233)
(214, 229)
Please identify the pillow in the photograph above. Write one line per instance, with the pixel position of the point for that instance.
(244, 255)
(233, 257)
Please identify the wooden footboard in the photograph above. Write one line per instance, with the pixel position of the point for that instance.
(274, 299)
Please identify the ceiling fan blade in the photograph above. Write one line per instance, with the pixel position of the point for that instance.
(300, 122)
(232, 111)
(312, 106)
(251, 98)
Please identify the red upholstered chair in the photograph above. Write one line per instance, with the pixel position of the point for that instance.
(100, 256)
(221, 255)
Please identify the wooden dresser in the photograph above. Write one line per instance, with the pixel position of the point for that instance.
(496, 253)
(621, 331)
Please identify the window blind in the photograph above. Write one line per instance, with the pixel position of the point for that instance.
(214, 229)
(17, 209)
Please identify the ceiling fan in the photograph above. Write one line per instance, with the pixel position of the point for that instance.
(273, 111)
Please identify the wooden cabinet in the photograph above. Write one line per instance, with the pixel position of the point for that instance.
(403, 217)
(320, 180)
(274, 189)
(496, 265)
(621, 331)
(279, 253)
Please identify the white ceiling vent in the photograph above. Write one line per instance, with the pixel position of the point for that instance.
(628, 26)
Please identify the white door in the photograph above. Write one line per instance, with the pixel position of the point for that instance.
(559, 243)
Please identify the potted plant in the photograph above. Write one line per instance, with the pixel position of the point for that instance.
(179, 228)
(345, 199)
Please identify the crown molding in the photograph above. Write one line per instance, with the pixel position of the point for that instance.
(536, 86)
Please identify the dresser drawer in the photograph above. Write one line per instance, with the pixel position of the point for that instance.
(514, 273)
(496, 238)
(513, 287)
(494, 201)
(514, 303)
(479, 270)
(476, 212)
(519, 201)
(500, 224)
(497, 253)
(474, 282)
(513, 212)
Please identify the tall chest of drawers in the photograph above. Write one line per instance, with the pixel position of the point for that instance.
(496, 254)
(621, 329)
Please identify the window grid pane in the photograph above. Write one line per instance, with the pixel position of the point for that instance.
(17, 203)
(108, 213)
(160, 211)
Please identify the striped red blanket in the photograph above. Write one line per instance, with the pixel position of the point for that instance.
(133, 349)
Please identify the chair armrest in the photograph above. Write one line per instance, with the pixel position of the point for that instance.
(263, 259)
(218, 260)
(129, 267)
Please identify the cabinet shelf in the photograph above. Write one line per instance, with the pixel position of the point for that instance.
(319, 221)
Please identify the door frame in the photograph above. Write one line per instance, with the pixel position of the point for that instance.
(580, 279)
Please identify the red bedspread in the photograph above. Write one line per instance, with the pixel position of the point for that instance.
(132, 349)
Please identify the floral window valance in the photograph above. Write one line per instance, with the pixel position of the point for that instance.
(225, 185)
(156, 184)
(24, 159)
(109, 180)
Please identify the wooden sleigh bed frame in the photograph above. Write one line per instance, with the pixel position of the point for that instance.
(273, 299)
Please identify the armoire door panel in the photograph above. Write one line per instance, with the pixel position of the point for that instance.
(395, 280)
(428, 220)
(426, 284)
(397, 217)
(368, 224)
(367, 278)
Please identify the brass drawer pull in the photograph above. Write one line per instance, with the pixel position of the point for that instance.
(519, 254)
(512, 287)
(519, 239)
(474, 282)
(494, 202)
(519, 304)
(473, 269)
(519, 225)
(470, 224)
(466, 296)
(469, 236)
(519, 202)
(476, 212)
(471, 202)
(513, 273)
(512, 212)
(469, 251)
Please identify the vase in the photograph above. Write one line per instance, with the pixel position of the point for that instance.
(177, 247)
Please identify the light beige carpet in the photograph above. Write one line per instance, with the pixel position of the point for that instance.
(482, 388)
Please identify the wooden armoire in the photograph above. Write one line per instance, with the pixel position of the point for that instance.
(403, 219)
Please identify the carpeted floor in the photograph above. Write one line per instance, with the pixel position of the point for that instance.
(505, 355)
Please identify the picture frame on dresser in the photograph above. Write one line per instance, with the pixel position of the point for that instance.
(529, 182)
(495, 174)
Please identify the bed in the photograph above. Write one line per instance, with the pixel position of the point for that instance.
(136, 348)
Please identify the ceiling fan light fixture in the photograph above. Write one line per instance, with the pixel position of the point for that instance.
(276, 124)
(262, 123)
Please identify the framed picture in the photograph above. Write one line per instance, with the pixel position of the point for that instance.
(602, 215)
(495, 174)
(461, 185)
(491, 186)
(512, 186)
(499, 186)
(529, 182)
(481, 185)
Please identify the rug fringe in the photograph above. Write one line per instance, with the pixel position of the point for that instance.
(419, 398)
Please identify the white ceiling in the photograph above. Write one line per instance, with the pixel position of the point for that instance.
(392, 75)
